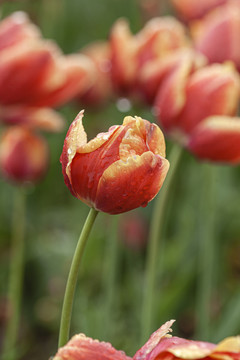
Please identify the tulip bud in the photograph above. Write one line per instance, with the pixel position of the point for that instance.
(117, 171)
(23, 155)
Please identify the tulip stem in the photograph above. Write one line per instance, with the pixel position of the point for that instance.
(206, 250)
(72, 279)
(15, 275)
(155, 234)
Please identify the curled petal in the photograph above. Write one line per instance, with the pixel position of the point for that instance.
(163, 346)
(81, 347)
(32, 117)
(217, 139)
(217, 35)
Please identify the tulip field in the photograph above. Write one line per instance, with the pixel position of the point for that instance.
(120, 179)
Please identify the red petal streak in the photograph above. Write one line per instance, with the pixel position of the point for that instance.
(217, 139)
(127, 185)
(81, 347)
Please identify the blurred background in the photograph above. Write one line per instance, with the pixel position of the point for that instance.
(55, 218)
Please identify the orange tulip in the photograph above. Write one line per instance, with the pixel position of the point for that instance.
(198, 111)
(131, 53)
(33, 71)
(23, 155)
(160, 346)
(163, 346)
(117, 171)
(192, 9)
(217, 35)
(81, 347)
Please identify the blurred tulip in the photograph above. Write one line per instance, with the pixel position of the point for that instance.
(217, 35)
(192, 9)
(16, 29)
(81, 347)
(117, 171)
(197, 110)
(24, 156)
(161, 345)
(131, 53)
(32, 117)
(101, 89)
(34, 72)
(185, 60)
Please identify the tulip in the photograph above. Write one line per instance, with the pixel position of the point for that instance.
(130, 53)
(81, 347)
(117, 171)
(198, 111)
(32, 117)
(153, 75)
(101, 89)
(192, 9)
(217, 35)
(23, 155)
(161, 345)
(34, 72)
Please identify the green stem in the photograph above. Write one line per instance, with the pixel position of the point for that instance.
(72, 279)
(15, 276)
(153, 244)
(206, 250)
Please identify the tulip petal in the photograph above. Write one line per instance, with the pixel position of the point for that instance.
(77, 72)
(217, 139)
(81, 347)
(154, 340)
(126, 185)
(16, 29)
(32, 117)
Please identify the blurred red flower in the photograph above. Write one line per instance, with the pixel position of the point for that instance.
(24, 156)
(217, 35)
(192, 9)
(197, 110)
(33, 71)
(161, 345)
(117, 171)
(130, 53)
